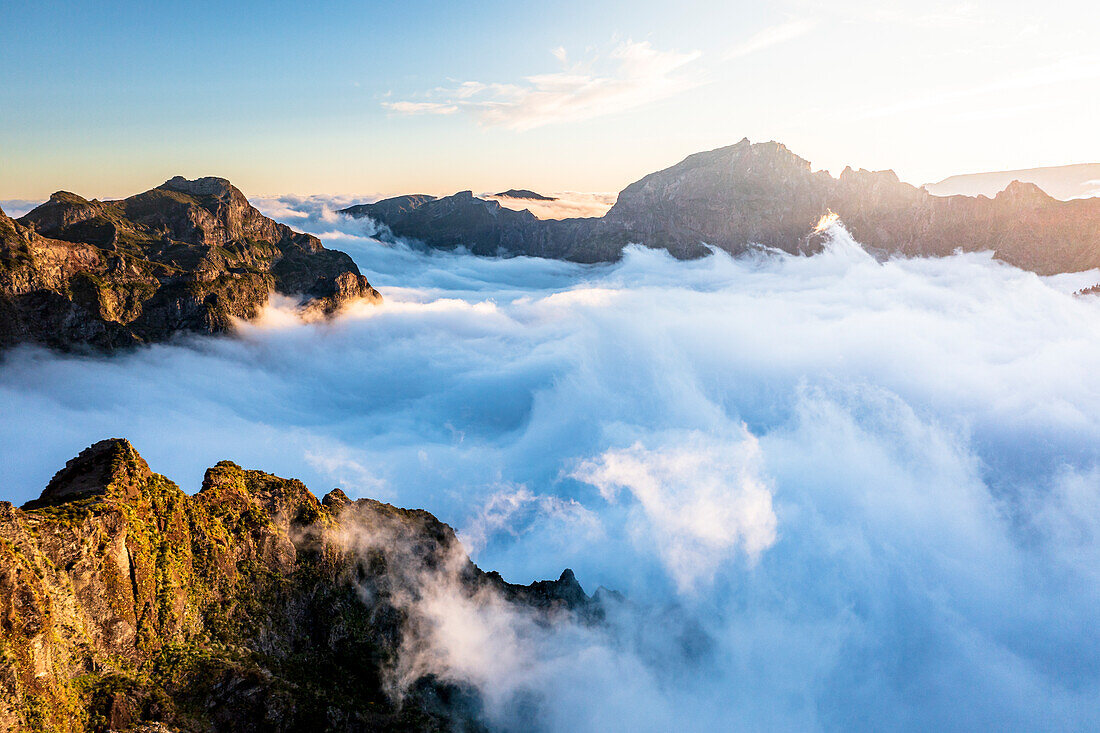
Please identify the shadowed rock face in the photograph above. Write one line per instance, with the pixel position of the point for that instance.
(249, 606)
(185, 256)
(744, 195)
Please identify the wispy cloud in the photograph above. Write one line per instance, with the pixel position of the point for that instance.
(421, 108)
(632, 75)
(772, 36)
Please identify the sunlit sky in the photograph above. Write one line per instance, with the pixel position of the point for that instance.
(110, 98)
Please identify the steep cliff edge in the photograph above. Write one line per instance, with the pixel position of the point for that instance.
(748, 194)
(187, 256)
(248, 606)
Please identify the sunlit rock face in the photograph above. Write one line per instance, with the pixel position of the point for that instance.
(762, 194)
(187, 256)
(248, 606)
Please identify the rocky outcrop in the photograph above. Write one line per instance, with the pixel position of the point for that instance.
(249, 606)
(747, 195)
(187, 256)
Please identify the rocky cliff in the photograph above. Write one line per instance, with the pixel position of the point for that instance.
(763, 194)
(187, 256)
(248, 606)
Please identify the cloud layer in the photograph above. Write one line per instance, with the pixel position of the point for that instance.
(837, 493)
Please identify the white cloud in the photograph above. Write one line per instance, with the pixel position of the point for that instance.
(632, 75)
(510, 508)
(927, 431)
(701, 499)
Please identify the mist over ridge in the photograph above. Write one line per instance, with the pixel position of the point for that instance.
(843, 493)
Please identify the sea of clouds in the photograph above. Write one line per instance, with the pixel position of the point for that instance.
(836, 493)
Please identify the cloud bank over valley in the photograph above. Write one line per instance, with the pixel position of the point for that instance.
(834, 492)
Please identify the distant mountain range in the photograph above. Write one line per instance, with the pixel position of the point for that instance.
(192, 256)
(1062, 182)
(184, 256)
(747, 195)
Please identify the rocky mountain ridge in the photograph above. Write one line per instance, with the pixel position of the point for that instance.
(249, 606)
(748, 195)
(186, 256)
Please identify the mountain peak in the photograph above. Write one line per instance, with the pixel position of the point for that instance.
(206, 186)
(108, 464)
(67, 197)
(336, 500)
(1019, 191)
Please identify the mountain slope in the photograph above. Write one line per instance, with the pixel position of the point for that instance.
(185, 256)
(249, 606)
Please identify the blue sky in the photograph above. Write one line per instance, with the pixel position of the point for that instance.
(109, 98)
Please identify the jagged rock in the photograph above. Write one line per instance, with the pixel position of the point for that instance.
(187, 256)
(249, 606)
(335, 501)
(747, 194)
(109, 465)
